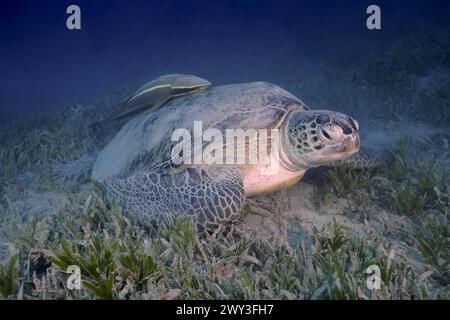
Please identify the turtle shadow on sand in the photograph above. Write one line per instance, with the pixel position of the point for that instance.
(289, 215)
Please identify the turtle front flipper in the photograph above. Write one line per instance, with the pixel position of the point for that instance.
(211, 199)
(366, 158)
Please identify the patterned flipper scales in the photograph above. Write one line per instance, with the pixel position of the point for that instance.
(211, 199)
(366, 158)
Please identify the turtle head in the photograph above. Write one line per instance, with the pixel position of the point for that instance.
(312, 138)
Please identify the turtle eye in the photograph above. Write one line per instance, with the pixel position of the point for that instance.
(356, 124)
(326, 135)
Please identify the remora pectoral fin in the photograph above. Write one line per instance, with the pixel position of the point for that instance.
(150, 101)
(156, 196)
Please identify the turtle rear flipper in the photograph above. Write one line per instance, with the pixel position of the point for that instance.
(210, 199)
(78, 170)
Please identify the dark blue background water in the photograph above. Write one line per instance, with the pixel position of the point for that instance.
(44, 65)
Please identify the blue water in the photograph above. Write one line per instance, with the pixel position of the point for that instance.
(124, 43)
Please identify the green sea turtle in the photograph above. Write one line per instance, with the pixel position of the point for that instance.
(156, 93)
(137, 167)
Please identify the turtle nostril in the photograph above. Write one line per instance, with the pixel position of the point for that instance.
(347, 126)
(353, 124)
(356, 124)
(347, 130)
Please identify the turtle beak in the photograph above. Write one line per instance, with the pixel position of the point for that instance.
(349, 133)
(352, 144)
